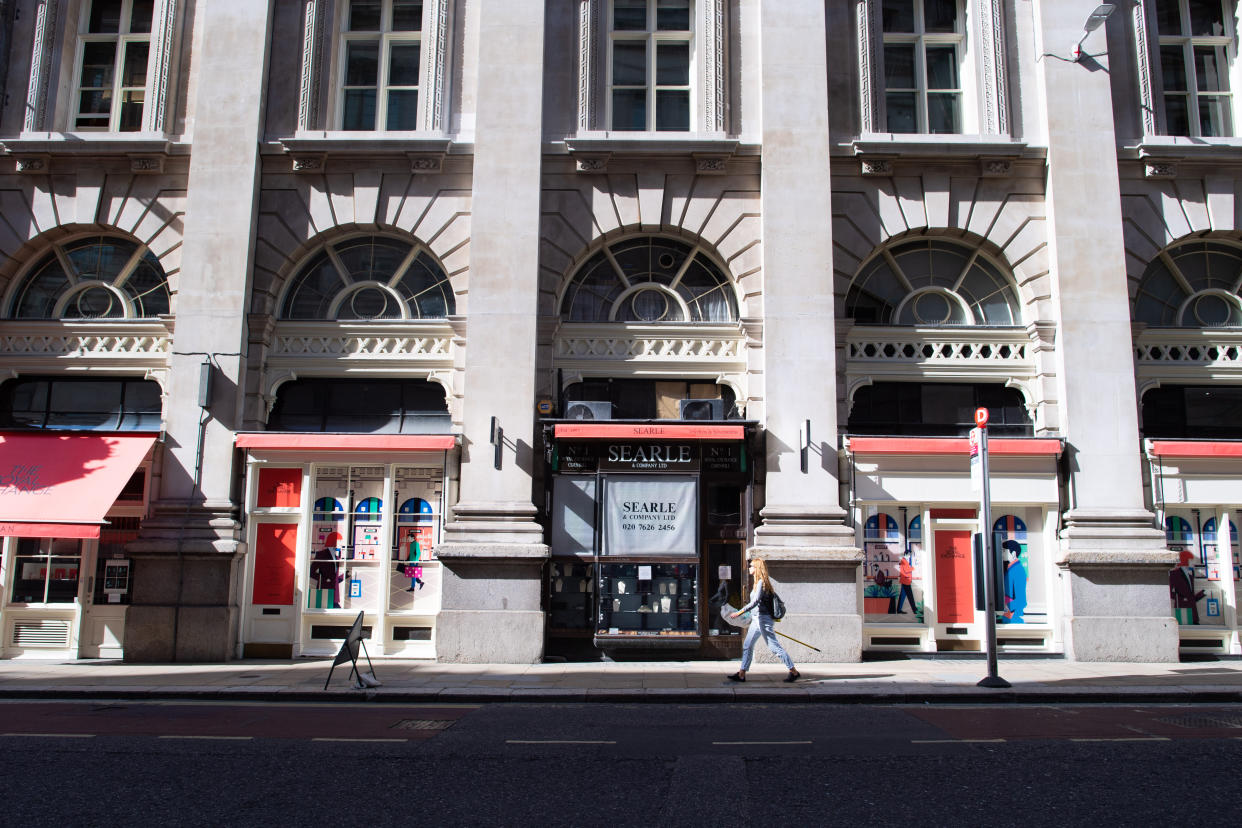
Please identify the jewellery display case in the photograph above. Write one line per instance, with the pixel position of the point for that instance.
(571, 592)
(648, 604)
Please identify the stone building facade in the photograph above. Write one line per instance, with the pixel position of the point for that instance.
(516, 326)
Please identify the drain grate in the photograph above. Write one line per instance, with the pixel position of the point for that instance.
(1200, 721)
(423, 724)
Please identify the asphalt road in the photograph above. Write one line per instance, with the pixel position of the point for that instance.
(113, 763)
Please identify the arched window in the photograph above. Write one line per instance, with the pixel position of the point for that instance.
(932, 282)
(371, 277)
(93, 278)
(649, 279)
(1195, 284)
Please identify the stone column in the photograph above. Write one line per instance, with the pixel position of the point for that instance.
(1113, 555)
(186, 557)
(493, 552)
(803, 533)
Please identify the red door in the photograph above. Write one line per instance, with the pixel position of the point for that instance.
(955, 594)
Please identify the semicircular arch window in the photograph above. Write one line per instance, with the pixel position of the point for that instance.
(932, 282)
(98, 277)
(650, 279)
(1195, 284)
(369, 277)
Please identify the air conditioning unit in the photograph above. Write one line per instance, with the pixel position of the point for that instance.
(702, 409)
(589, 411)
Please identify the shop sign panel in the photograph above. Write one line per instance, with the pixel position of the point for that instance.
(651, 515)
(662, 457)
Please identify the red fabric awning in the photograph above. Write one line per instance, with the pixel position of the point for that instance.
(1195, 448)
(61, 485)
(283, 441)
(1013, 446)
(648, 431)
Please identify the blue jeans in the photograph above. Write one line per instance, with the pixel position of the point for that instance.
(763, 625)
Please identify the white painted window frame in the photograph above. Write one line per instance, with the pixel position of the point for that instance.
(984, 103)
(709, 75)
(652, 38)
(122, 39)
(1148, 45)
(47, 109)
(921, 40)
(318, 16)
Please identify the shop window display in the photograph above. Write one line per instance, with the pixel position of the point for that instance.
(46, 571)
(893, 579)
(1196, 584)
(414, 578)
(638, 599)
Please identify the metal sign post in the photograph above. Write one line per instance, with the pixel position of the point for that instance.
(979, 476)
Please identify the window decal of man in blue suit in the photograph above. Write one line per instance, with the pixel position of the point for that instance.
(1011, 532)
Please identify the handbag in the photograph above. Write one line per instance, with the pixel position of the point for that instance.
(778, 607)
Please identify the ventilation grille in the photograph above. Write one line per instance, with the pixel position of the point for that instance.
(42, 633)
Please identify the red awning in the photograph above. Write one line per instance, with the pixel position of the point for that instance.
(1013, 446)
(1205, 449)
(648, 431)
(282, 441)
(61, 485)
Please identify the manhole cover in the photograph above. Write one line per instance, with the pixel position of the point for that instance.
(423, 724)
(1199, 721)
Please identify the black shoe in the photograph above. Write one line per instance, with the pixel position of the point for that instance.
(736, 677)
(794, 675)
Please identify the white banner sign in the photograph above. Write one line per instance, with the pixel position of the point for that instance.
(650, 515)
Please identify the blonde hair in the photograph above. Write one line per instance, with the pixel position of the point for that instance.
(761, 572)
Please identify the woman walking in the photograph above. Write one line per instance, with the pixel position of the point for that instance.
(761, 623)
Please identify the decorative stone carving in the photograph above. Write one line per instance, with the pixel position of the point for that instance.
(588, 15)
(42, 51)
(1160, 169)
(877, 166)
(312, 46)
(164, 29)
(436, 24)
(146, 163)
(995, 167)
(710, 164)
(1142, 55)
(32, 163)
(308, 162)
(426, 163)
(713, 62)
(592, 163)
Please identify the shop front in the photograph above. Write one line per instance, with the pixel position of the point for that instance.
(68, 504)
(916, 513)
(648, 525)
(1196, 492)
(339, 524)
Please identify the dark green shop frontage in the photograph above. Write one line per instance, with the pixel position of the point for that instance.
(648, 524)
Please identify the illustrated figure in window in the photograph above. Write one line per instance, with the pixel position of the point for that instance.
(1182, 590)
(325, 571)
(905, 575)
(1015, 583)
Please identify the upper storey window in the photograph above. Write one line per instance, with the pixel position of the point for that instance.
(372, 277)
(113, 50)
(93, 278)
(650, 52)
(932, 67)
(935, 283)
(649, 279)
(1196, 285)
(381, 60)
(924, 45)
(1196, 49)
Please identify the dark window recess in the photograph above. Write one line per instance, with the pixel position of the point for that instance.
(640, 399)
(337, 631)
(361, 406)
(934, 409)
(411, 633)
(134, 487)
(724, 505)
(1193, 411)
(79, 403)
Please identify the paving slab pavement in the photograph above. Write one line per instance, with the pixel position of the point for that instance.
(917, 680)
